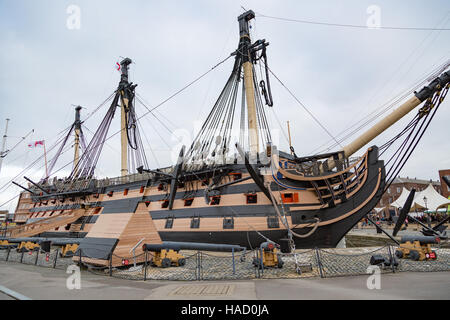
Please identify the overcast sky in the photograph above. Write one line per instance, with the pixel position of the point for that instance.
(340, 74)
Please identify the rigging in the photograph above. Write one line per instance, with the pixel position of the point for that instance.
(350, 25)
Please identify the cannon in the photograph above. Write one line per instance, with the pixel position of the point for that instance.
(68, 245)
(167, 254)
(417, 248)
(269, 256)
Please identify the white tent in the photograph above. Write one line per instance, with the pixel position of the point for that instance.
(400, 201)
(428, 198)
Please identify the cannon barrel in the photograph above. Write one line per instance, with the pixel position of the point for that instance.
(419, 97)
(191, 246)
(157, 247)
(421, 239)
(19, 240)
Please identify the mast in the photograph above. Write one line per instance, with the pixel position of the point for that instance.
(76, 156)
(244, 47)
(289, 133)
(123, 115)
(419, 97)
(2, 153)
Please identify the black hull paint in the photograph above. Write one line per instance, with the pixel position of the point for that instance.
(327, 236)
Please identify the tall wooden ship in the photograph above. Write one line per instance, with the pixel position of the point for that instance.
(220, 191)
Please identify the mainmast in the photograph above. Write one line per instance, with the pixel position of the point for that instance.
(211, 146)
(244, 48)
(77, 130)
(123, 115)
(2, 153)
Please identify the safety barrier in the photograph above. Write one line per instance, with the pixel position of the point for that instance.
(51, 259)
(200, 265)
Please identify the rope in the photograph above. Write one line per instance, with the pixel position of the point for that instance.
(351, 25)
(304, 107)
(285, 223)
(375, 114)
(157, 106)
(7, 152)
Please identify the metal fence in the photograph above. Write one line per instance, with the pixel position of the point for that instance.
(199, 265)
(51, 259)
(338, 262)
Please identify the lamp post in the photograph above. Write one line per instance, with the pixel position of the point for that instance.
(429, 214)
(425, 200)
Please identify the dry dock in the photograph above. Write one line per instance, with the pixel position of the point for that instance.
(368, 237)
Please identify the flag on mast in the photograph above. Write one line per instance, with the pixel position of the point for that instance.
(36, 144)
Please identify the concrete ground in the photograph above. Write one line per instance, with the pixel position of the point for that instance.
(43, 283)
(5, 297)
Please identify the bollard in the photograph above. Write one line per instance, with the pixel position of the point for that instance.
(392, 257)
(256, 256)
(7, 255)
(145, 264)
(56, 258)
(319, 263)
(110, 264)
(234, 265)
(200, 273)
(197, 265)
(262, 261)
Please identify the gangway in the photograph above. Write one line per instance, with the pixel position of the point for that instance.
(46, 224)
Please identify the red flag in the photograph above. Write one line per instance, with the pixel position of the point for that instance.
(36, 143)
(118, 66)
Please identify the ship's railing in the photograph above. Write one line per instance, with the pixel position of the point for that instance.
(313, 167)
(65, 185)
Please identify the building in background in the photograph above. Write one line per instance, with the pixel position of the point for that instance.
(395, 189)
(10, 218)
(444, 187)
(3, 215)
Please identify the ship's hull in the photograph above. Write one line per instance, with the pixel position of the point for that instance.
(334, 223)
(119, 215)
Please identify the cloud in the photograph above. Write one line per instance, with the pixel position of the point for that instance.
(340, 74)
